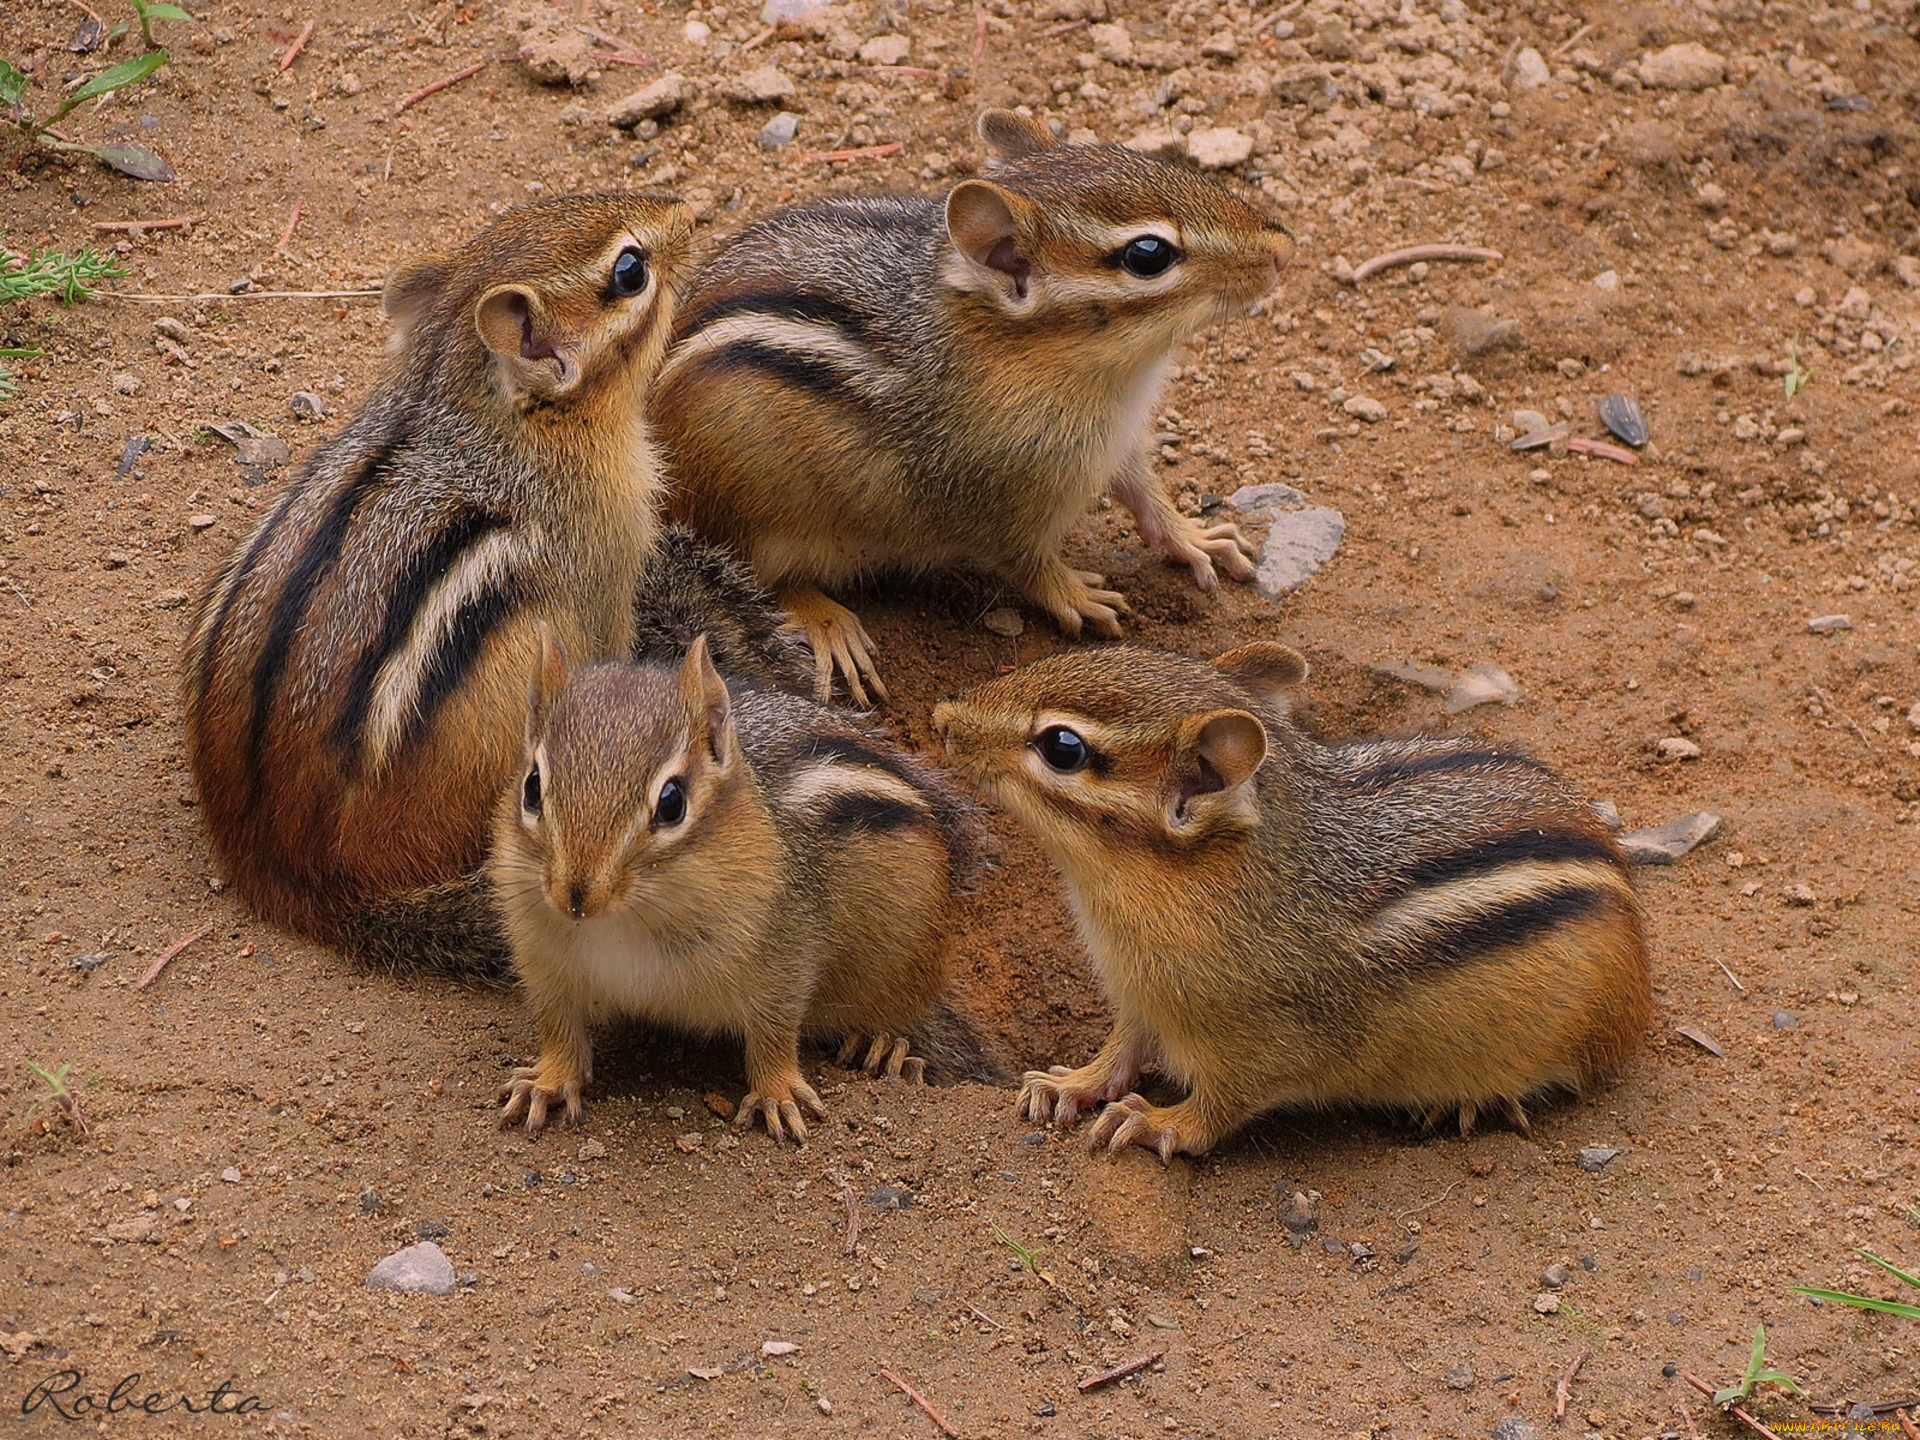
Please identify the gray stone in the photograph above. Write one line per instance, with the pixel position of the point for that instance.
(1364, 407)
(1531, 422)
(1219, 148)
(662, 97)
(1664, 844)
(1557, 1275)
(1785, 1020)
(891, 1197)
(1596, 1158)
(1111, 43)
(1686, 66)
(767, 85)
(1481, 685)
(1300, 541)
(419, 1269)
(1677, 747)
(1609, 814)
(306, 405)
(1008, 622)
(1301, 1217)
(1530, 71)
(778, 132)
(1830, 624)
(1460, 1377)
(886, 50)
(1513, 1428)
(255, 447)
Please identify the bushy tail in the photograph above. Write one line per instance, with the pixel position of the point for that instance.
(954, 1047)
(450, 929)
(690, 588)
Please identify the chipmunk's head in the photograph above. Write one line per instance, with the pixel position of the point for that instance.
(1121, 748)
(630, 771)
(1105, 239)
(564, 299)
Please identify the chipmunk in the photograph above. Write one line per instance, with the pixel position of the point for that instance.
(356, 669)
(889, 384)
(1429, 923)
(745, 863)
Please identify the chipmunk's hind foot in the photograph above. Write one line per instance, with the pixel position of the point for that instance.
(886, 1055)
(533, 1090)
(785, 1115)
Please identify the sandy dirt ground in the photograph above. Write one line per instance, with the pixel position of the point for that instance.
(264, 1123)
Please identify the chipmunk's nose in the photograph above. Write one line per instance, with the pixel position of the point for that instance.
(578, 896)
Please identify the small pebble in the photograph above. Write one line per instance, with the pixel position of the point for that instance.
(1558, 1274)
(1596, 1158)
(619, 1296)
(1830, 624)
(127, 385)
(1460, 1377)
(1677, 747)
(1785, 1020)
(201, 522)
(231, 1175)
(890, 1197)
(1513, 1428)
(1546, 1303)
(777, 1347)
(1365, 407)
(421, 1269)
(1004, 621)
(1481, 685)
(778, 132)
(1219, 149)
(719, 1104)
(1664, 844)
(306, 405)
(1301, 1218)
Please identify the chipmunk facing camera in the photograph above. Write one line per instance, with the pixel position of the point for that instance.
(747, 863)
(1428, 924)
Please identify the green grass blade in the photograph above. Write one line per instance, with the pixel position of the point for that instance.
(164, 11)
(118, 77)
(1891, 1268)
(1861, 1302)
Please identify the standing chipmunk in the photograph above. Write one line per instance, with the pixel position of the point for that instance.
(1426, 924)
(747, 864)
(884, 384)
(356, 671)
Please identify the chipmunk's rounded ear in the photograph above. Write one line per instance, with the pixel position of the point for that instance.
(1265, 667)
(550, 676)
(1219, 753)
(408, 292)
(1009, 135)
(708, 705)
(993, 227)
(516, 326)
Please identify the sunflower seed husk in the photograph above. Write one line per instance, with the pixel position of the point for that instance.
(1621, 415)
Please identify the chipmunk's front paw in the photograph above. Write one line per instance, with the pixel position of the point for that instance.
(1056, 1096)
(1201, 548)
(1166, 1130)
(840, 644)
(781, 1109)
(885, 1055)
(534, 1089)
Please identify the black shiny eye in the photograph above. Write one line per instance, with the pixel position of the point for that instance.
(530, 791)
(1148, 256)
(671, 807)
(1063, 750)
(629, 272)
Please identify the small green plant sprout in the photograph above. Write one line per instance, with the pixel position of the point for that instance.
(1797, 374)
(152, 10)
(1867, 1302)
(1757, 1374)
(68, 278)
(62, 1100)
(1028, 1258)
(129, 159)
(9, 387)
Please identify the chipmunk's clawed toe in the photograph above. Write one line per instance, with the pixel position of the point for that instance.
(1167, 1130)
(782, 1113)
(887, 1056)
(532, 1091)
(840, 645)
